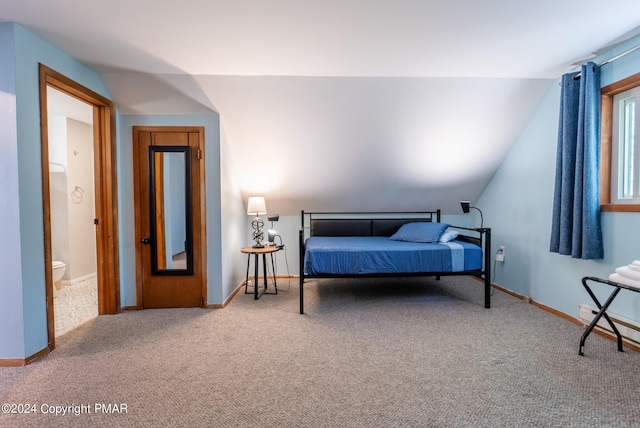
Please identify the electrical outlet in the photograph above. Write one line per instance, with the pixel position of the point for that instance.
(500, 254)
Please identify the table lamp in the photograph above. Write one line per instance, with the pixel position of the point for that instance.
(256, 206)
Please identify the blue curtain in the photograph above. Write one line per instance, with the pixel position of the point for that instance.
(576, 228)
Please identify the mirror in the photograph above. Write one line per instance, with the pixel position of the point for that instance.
(170, 210)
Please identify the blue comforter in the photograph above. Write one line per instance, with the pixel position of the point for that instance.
(377, 254)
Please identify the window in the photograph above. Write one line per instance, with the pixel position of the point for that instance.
(624, 155)
(620, 146)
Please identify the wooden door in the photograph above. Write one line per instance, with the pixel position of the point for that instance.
(169, 209)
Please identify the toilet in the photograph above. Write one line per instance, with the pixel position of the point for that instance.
(58, 271)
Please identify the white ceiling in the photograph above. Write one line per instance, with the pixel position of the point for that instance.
(340, 104)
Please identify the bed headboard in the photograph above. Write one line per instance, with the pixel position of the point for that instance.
(353, 224)
(339, 227)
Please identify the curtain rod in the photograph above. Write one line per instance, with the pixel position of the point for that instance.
(615, 58)
(627, 52)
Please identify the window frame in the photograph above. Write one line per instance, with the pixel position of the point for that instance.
(606, 143)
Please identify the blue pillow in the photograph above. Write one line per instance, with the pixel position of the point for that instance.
(421, 231)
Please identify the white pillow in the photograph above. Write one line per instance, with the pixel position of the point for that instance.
(448, 235)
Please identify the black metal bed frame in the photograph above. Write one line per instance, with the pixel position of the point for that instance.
(483, 239)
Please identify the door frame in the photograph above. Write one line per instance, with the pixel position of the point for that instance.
(106, 192)
(201, 251)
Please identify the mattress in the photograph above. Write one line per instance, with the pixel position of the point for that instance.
(353, 255)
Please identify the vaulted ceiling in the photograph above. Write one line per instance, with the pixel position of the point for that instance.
(340, 104)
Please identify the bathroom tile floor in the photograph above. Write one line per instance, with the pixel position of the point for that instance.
(74, 304)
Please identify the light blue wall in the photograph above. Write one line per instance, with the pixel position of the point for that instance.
(517, 204)
(11, 306)
(30, 316)
(211, 125)
(23, 294)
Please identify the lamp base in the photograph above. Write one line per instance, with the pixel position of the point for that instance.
(258, 236)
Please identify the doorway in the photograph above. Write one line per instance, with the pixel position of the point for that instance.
(104, 189)
(170, 215)
(72, 202)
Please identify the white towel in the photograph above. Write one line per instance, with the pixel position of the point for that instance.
(628, 273)
(626, 281)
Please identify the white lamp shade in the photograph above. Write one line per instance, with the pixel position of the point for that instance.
(256, 206)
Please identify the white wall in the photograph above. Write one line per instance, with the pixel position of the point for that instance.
(234, 227)
(58, 167)
(287, 261)
(71, 159)
(518, 203)
(80, 198)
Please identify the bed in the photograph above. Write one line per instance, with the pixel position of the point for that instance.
(344, 245)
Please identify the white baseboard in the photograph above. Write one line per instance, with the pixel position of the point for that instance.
(78, 279)
(628, 328)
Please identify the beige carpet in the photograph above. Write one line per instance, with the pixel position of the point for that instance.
(368, 353)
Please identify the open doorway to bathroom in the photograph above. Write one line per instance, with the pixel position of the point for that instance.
(72, 203)
(83, 167)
